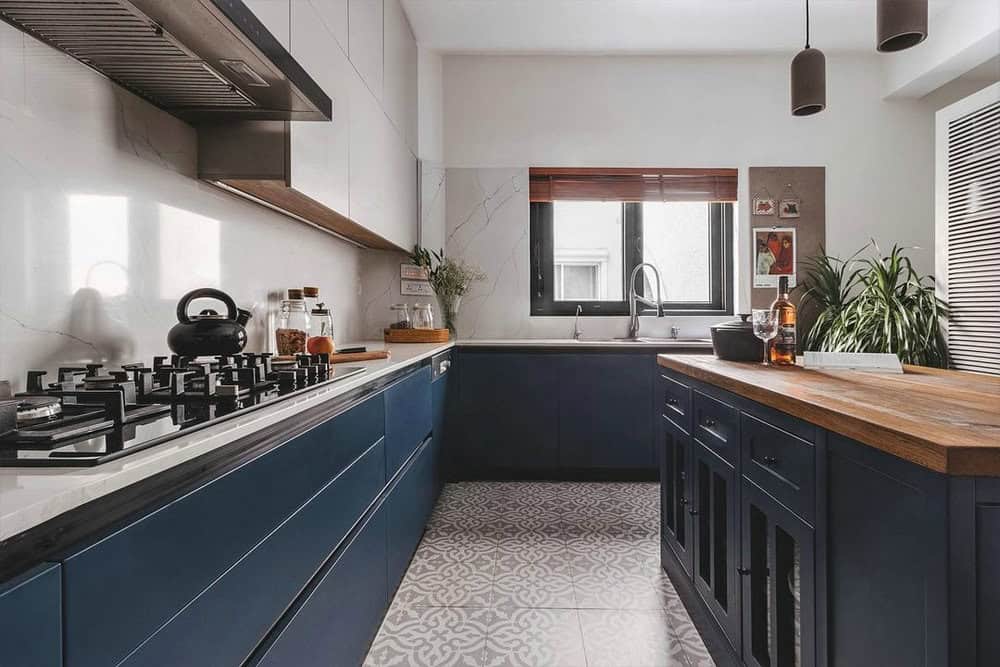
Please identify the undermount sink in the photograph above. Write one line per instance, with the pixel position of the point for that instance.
(647, 340)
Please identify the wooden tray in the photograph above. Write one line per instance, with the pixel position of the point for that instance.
(416, 335)
(353, 357)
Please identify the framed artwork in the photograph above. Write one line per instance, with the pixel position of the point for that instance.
(774, 255)
(763, 206)
(790, 208)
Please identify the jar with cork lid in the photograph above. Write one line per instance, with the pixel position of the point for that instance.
(293, 324)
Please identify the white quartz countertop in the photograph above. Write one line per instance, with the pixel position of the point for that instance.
(32, 496)
(657, 344)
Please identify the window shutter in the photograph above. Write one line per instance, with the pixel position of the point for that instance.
(973, 231)
(639, 184)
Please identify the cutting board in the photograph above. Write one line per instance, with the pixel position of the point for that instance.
(416, 335)
(354, 357)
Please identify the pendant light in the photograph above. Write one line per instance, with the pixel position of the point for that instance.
(808, 78)
(901, 24)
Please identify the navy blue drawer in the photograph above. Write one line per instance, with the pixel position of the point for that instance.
(31, 619)
(674, 400)
(781, 464)
(409, 505)
(261, 586)
(339, 617)
(407, 417)
(716, 425)
(120, 590)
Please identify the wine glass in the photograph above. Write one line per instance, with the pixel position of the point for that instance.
(765, 327)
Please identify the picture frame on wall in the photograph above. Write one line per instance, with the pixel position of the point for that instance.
(790, 208)
(774, 256)
(763, 206)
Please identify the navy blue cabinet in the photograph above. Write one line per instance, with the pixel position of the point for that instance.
(443, 397)
(508, 411)
(715, 537)
(408, 506)
(121, 589)
(31, 619)
(675, 491)
(340, 615)
(604, 415)
(407, 417)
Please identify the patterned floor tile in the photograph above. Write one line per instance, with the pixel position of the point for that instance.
(630, 639)
(626, 555)
(421, 637)
(439, 580)
(611, 588)
(542, 581)
(535, 638)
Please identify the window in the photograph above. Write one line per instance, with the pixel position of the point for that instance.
(585, 247)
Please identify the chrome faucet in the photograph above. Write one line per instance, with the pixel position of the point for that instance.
(577, 332)
(633, 322)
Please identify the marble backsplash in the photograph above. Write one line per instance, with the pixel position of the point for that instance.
(103, 225)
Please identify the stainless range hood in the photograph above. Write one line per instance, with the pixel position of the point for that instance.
(200, 60)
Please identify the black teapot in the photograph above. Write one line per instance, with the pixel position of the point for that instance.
(208, 333)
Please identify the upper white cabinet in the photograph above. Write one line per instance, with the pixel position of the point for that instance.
(365, 40)
(400, 75)
(334, 13)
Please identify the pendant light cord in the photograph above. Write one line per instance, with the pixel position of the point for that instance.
(807, 24)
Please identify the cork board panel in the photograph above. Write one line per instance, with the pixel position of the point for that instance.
(808, 186)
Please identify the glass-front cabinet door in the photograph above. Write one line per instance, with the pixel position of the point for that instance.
(675, 518)
(715, 538)
(779, 591)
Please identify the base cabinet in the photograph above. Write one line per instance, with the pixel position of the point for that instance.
(779, 586)
(31, 619)
(716, 539)
(675, 492)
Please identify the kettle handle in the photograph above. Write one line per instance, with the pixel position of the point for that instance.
(205, 293)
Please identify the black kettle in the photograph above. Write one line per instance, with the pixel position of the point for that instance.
(208, 333)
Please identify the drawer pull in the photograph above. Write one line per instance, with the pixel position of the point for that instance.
(708, 423)
(693, 512)
(683, 501)
(743, 571)
(770, 461)
(671, 401)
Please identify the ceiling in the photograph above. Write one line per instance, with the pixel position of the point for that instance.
(645, 26)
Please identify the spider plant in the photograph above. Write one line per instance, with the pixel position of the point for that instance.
(883, 305)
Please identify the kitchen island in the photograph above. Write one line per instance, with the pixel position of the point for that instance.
(834, 518)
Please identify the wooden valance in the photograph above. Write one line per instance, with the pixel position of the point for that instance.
(632, 184)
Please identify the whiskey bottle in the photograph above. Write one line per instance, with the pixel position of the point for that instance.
(783, 346)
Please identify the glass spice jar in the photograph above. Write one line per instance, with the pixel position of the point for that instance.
(423, 316)
(320, 331)
(293, 324)
(402, 316)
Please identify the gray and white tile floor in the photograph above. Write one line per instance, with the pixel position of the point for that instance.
(532, 574)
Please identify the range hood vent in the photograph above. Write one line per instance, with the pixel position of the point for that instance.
(201, 60)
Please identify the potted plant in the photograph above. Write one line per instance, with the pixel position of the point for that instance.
(875, 304)
(450, 279)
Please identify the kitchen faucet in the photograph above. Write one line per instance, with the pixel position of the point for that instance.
(633, 322)
(577, 332)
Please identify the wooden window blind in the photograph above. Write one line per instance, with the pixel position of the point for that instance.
(632, 185)
(973, 233)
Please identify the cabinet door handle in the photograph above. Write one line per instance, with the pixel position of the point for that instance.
(692, 511)
(671, 401)
(683, 501)
(770, 461)
(744, 571)
(708, 423)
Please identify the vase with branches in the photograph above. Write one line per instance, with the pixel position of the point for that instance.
(450, 279)
(877, 303)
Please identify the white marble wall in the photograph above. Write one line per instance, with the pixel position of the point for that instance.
(103, 224)
(488, 224)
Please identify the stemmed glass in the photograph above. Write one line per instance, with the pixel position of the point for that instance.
(765, 327)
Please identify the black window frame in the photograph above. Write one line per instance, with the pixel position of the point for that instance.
(543, 301)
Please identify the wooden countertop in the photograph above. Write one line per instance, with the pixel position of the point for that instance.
(948, 421)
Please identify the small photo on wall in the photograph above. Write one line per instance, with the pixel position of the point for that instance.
(789, 208)
(763, 206)
(774, 255)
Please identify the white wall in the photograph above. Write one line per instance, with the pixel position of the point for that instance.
(515, 112)
(103, 224)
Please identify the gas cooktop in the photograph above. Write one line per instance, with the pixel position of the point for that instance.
(90, 416)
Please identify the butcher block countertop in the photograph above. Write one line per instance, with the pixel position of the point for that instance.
(948, 421)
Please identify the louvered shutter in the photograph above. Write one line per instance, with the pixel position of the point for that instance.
(973, 238)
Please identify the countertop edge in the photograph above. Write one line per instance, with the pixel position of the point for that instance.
(947, 459)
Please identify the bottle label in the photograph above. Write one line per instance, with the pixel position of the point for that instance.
(786, 335)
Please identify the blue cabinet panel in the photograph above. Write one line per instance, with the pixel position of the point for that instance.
(676, 525)
(509, 410)
(409, 504)
(407, 417)
(442, 405)
(123, 588)
(258, 589)
(339, 617)
(31, 619)
(605, 419)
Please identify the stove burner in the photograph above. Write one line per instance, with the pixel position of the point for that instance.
(37, 409)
